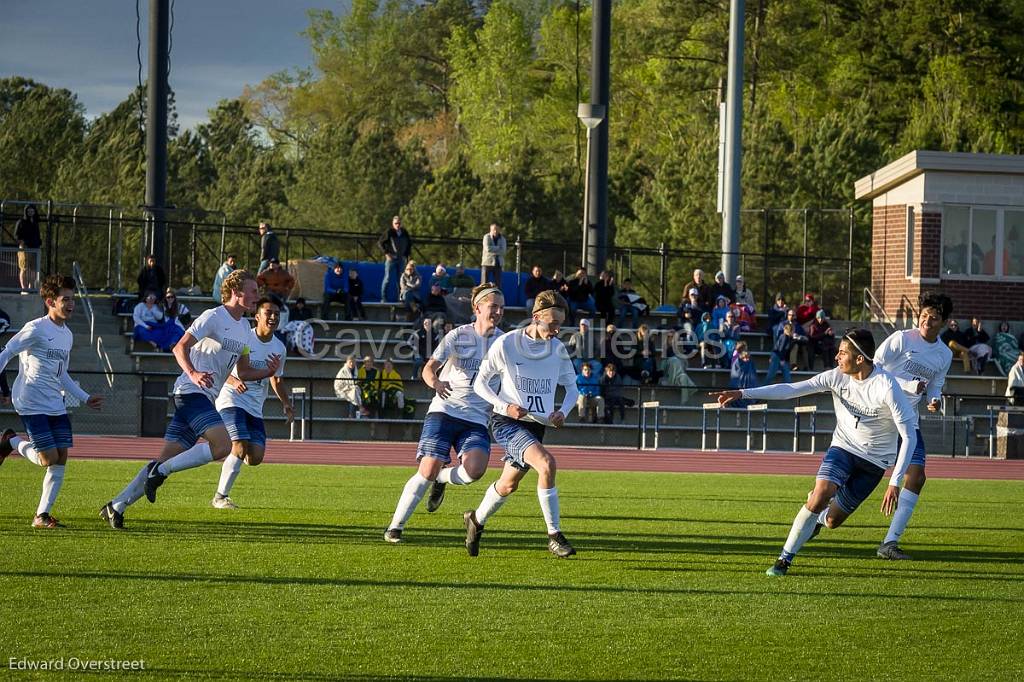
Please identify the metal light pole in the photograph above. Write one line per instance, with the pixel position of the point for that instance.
(156, 125)
(597, 175)
(591, 115)
(733, 144)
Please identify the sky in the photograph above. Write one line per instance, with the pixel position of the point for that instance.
(218, 46)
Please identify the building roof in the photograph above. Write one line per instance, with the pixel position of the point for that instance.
(917, 162)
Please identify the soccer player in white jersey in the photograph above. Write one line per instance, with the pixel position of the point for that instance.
(872, 414)
(43, 347)
(457, 416)
(215, 342)
(919, 361)
(240, 403)
(531, 364)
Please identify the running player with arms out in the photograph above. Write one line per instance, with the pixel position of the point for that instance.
(872, 415)
(43, 347)
(531, 364)
(240, 403)
(457, 416)
(920, 362)
(209, 350)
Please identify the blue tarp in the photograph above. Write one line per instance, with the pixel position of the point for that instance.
(372, 275)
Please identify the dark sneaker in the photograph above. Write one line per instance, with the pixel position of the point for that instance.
(891, 551)
(44, 520)
(393, 535)
(154, 479)
(817, 529)
(5, 444)
(473, 532)
(112, 516)
(436, 496)
(559, 546)
(779, 569)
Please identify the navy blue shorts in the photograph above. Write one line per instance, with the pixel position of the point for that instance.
(917, 457)
(48, 431)
(516, 437)
(442, 432)
(194, 415)
(856, 477)
(243, 426)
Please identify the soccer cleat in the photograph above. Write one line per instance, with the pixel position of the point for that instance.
(112, 516)
(223, 503)
(44, 520)
(393, 535)
(436, 496)
(778, 569)
(154, 479)
(5, 444)
(559, 546)
(892, 551)
(473, 532)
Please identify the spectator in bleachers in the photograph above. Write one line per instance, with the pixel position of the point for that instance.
(1015, 382)
(175, 311)
(777, 313)
(276, 280)
(691, 312)
(392, 389)
(673, 373)
(604, 296)
(729, 331)
(743, 373)
(334, 289)
(721, 288)
(559, 283)
(1006, 348)
(151, 277)
(800, 340)
(744, 296)
(609, 352)
(821, 341)
(643, 367)
(957, 342)
(354, 302)
(409, 291)
(225, 269)
(441, 278)
(590, 404)
(720, 310)
(152, 326)
(270, 248)
(703, 291)
(807, 310)
(424, 340)
(744, 316)
(612, 390)
(581, 294)
(28, 236)
(780, 355)
(369, 387)
(706, 335)
(300, 312)
(581, 345)
(346, 387)
(396, 244)
(436, 303)
(627, 301)
(493, 257)
(460, 280)
(535, 284)
(978, 346)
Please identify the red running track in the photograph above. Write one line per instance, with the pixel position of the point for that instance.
(584, 459)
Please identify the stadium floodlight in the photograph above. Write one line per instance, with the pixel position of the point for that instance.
(592, 115)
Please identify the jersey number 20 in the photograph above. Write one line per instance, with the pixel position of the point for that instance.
(534, 403)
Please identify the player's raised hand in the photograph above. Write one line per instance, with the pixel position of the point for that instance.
(556, 418)
(726, 397)
(201, 379)
(891, 500)
(95, 401)
(273, 364)
(442, 388)
(516, 412)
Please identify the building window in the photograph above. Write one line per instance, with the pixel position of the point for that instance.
(910, 241)
(981, 241)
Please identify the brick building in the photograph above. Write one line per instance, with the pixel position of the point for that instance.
(948, 221)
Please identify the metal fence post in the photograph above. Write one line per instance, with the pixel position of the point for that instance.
(663, 277)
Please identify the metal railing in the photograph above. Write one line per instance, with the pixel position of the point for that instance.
(96, 342)
(875, 312)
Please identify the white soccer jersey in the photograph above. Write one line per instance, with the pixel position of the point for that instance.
(870, 415)
(530, 371)
(460, 353)
(43, 348)
(255, 391)
(222, 340)
(909, 358)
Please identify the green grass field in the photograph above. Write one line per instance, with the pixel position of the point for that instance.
(669, 582)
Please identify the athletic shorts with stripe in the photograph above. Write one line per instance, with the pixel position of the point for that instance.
(856, 477)
(516, 437)
(243, 426)
(48, 431)
(442, 432)
(194, 414)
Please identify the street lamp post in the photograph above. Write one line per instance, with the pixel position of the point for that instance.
(591, 115)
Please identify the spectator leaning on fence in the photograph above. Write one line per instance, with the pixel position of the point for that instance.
(1006, 348)
(151, 277)
(270, 249)
(346, 387)
(493, 258)
(334, 289)
(28, 235)
(396, 244)
(590, 403)
(535, 284)
(276, 280)
(225, 269)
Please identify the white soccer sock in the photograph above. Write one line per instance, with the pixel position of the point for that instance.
(52, 482)
(549, 507)
(196, 456)
(132, 492)
(491, 503)
(413, 492)
(823, 516)
(803, 526)
(455, 476)
(26, 450)
(902, 516)
(228, 474)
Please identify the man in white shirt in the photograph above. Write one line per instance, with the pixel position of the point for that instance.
(873, 421)
(457, 416)
(43, 347)
(919, 361)
(215, 342)
(240, 403)
(531, 363)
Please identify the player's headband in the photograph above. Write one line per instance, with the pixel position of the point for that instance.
(860, 350)
(485, 293)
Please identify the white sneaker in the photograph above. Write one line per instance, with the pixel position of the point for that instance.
(224, 503)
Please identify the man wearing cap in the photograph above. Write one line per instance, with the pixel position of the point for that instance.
(691, 310)
(807, 310)
(721, 288)
(460, 280)
(703, 291)
(276, 280)
(744, 296)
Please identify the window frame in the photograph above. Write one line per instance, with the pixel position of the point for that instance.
(1000, 248)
